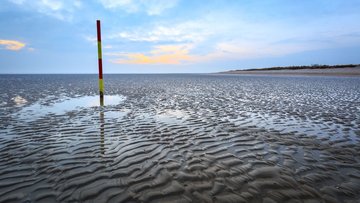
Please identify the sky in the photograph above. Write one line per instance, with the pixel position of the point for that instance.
(176, 36)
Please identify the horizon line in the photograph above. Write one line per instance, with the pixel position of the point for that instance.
(97, 73)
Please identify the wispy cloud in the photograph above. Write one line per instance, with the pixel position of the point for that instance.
(12, 44)
(60, 9)
(164, 54)
(108, 46)
(191, 31)
(238, 50)
(211, 44)
(151, 7)
(90, 38)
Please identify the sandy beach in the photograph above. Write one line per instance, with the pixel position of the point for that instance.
(180, 138)
(349, 72)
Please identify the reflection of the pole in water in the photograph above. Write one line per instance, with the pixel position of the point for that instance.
(101, 99)
(102, 129)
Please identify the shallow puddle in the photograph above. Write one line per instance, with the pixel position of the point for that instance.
(38, 110)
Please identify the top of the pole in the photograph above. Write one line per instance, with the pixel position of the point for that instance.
(98, 30)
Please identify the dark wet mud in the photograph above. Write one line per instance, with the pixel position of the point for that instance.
(179, 138)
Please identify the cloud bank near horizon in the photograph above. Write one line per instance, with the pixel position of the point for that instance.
(183, 33)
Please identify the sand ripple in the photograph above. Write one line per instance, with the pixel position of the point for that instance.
(188, 138)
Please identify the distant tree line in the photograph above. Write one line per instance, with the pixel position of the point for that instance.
(313, 66)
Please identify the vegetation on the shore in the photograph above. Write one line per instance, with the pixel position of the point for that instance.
(315, 66)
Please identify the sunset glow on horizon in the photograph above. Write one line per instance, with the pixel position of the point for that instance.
(155, 36)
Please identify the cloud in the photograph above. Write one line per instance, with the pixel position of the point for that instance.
(150, 7)
(59, 9)
(208, 44)
(12, 44)
(234, 38)
(243, 50)
(163, 54)
(156, 7)
(127, 5)
(108, 46)
(185, 32)
(89, 38)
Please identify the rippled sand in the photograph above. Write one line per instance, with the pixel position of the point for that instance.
(180, 138)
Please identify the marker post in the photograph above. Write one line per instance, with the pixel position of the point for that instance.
(101, 82)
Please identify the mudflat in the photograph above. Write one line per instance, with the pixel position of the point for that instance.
(179, 138)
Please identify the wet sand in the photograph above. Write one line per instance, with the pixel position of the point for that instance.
(181, 138)
(350, 72)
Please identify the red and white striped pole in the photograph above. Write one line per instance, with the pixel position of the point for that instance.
(101, 82)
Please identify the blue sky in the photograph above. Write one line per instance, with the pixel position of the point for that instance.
(176, 36)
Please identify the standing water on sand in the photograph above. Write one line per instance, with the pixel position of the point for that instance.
(182, 138)
(38, 110)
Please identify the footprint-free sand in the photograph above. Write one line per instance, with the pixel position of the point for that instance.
(179, 138)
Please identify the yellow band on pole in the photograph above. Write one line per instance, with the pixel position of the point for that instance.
(99, 50)
(101, 86)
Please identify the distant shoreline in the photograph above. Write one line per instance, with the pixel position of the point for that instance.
(323, 70)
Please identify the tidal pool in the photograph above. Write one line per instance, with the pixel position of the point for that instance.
(66, 104)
